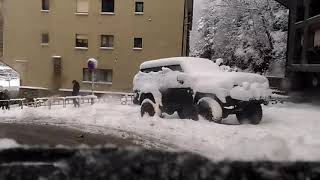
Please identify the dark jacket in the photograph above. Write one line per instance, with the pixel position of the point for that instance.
(76, 89)
(2, 96)
(6, 95)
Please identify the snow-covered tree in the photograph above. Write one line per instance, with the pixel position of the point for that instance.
(249, 34)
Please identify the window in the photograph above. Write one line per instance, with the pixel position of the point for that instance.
(82, 6)
(300, 11)
(316, 35)
(107, 6)
(45, 38)
(107, 41)
(137, 43)
(313, 49)
(139, 7)
(82, 40)
(101, 75)
(314, 8)
(45, 5)
(298, 46)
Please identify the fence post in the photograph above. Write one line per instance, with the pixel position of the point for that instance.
(92, 101)
(49, 103)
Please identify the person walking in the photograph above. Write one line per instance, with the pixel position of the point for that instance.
(76, 92)
(1, 98)
(6, 97)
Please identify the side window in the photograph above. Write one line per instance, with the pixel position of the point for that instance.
(154, 69)
(157, 69)
(175, 68)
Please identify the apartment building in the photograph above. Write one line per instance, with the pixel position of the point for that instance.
(48, 42)
(303, 60)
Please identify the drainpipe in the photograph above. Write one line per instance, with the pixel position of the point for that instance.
(183, 28)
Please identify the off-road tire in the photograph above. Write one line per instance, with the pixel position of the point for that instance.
(251, 113)
(210, 109)
(147, 107)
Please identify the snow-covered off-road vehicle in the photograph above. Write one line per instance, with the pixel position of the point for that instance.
(196, 86)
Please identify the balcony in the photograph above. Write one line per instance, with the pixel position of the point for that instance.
(314, 8)
(313, 55)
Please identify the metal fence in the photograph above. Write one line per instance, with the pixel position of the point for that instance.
(9, 102)
(64, 101)
(125, 99)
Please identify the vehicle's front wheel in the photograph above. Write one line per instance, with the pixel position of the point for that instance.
(252, 113)
(147, 108)
(210, 109)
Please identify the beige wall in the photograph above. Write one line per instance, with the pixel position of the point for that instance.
(161, 27)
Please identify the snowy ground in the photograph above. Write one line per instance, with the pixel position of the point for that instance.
(287, 132)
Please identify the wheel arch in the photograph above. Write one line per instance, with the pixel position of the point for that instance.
(144, 96)
(200, 95)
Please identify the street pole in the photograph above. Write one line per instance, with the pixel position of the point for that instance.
(92, 83)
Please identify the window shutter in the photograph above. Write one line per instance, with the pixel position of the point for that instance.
(82, 6)
(82, 36)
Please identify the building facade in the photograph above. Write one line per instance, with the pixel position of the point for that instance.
(303, 59)
(48, 42)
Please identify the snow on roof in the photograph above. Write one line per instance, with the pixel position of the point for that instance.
(172, 61)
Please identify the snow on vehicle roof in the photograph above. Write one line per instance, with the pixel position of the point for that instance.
(183, 61)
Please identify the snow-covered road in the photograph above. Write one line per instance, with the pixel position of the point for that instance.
(287, 132)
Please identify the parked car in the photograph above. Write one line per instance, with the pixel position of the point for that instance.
(196, 86)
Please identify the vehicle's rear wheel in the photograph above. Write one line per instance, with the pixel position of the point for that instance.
(252, 114)
(147, 108)
(210, 109)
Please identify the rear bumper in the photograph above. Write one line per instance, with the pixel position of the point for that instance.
(234, 106)
(234, 102)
